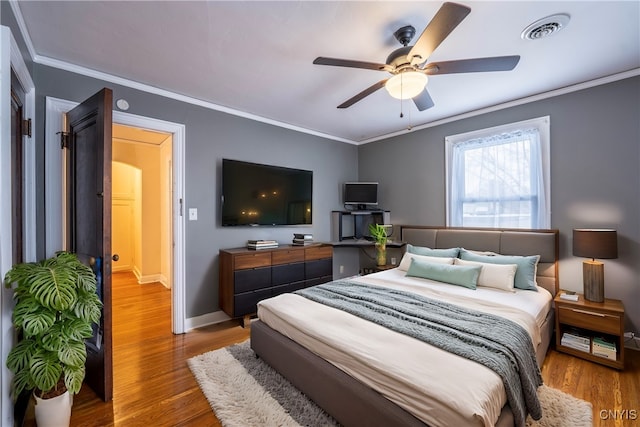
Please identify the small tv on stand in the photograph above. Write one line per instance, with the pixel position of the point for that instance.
(360, 195)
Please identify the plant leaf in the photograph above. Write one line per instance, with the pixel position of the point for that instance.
(88, 307)
(19, 357)
(54, 287)
(45, 369)
(54, 339)
(73, 354)
(22, 380)
(77, 329)
(73, 377)
(36, 323)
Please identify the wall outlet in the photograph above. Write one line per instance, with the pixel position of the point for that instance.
(193, 214)
(341, 269)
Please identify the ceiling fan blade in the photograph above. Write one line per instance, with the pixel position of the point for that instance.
(351, 64)
(496, 63)
(423, 100)
(368, 91)
(447, 18)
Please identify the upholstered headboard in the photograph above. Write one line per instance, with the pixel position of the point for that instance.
(501, 241)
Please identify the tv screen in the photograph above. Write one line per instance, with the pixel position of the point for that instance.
(257, 194)
(361, 193)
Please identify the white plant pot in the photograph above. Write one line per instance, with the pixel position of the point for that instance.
(54, 412)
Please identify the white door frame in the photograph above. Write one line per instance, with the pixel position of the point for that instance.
(11, 59)
(54, 191)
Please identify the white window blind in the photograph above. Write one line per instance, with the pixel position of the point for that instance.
(499, 177)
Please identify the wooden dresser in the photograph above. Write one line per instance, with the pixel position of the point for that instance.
(248, 275)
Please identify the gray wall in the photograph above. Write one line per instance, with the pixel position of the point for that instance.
(211, 136)
(595, 176)
(595, 172)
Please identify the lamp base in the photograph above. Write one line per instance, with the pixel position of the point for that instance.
(593, 280)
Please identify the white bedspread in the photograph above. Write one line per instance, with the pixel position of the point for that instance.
(437, 387)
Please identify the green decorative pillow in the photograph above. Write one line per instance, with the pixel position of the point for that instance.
(423, 250)
(525, 277)
(466, 276)
(405, 263)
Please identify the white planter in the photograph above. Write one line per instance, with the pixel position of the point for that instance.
(54, 412)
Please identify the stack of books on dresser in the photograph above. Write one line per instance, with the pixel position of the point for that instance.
(603, 347)
(261, 244)
(302, 239)
(576, 341)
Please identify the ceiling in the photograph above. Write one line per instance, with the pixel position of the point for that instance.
(254, 58)
(136, 135)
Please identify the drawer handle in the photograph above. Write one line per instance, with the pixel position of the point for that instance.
(588, 312)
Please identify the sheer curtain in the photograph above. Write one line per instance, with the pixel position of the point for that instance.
(498, 181)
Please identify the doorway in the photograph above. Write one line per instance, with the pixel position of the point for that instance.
(55, 108)
(142, 188)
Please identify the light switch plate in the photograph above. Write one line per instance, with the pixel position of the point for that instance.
(193, 214)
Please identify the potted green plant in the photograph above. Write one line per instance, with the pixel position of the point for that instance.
(56, 305)
(379, 234)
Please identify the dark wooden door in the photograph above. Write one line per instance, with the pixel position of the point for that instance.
(89, 220)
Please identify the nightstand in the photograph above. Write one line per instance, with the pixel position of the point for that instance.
(385, 267)
(591, 319)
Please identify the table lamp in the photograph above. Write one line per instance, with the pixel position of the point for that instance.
(594, 243)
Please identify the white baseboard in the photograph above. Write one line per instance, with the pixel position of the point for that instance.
(632, 344)
(164, 281)
(205, 320)
(136, 272)
(150, 278)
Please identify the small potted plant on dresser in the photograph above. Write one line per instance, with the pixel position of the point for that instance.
(379, 234)
(56, 305)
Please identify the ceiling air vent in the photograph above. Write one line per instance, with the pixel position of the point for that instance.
(545, 27)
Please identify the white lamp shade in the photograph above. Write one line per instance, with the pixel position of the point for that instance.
(406, 85)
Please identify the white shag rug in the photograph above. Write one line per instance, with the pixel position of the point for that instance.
(244, 391)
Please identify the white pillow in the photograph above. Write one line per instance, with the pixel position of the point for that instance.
(499, 276)
(407, 257)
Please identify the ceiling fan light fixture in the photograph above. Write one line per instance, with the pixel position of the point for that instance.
(406, 85)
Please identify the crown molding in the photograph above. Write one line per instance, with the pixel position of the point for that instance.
(55, 63)
(538, 97)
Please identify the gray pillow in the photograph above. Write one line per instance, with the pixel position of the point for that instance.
(423, 250)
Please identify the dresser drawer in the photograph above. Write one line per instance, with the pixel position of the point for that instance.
(319, 268)
(289, 287)
(247, 303)
(590, 319)
(287, 256)
(318, 252)
(252, 260)
(287, 273)
(252, 279)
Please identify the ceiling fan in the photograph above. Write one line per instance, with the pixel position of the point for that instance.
(408, 64)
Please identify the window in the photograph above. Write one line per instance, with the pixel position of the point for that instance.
(499, 177)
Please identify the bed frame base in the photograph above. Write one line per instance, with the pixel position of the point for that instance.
(350, 402)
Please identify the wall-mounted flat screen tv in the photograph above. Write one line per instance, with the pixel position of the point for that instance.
(257, 194)
(361, 194)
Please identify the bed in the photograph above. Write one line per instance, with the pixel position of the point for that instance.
(386, 378)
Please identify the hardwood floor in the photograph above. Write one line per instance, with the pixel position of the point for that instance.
(153, 385)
